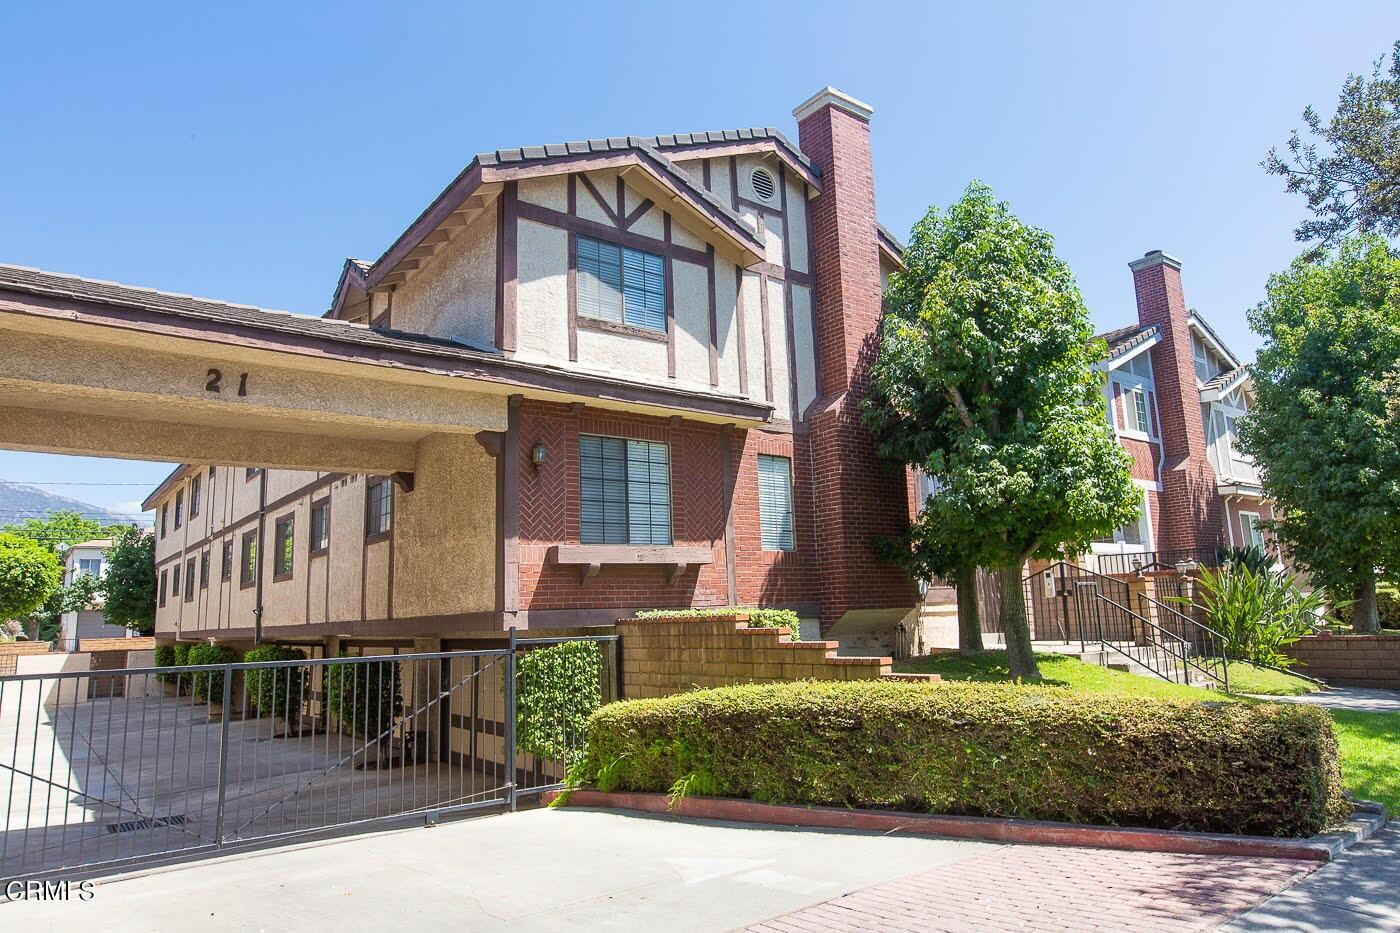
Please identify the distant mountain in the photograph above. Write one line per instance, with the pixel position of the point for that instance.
(18, 502)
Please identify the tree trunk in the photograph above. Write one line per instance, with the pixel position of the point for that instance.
(1014, 626)
(969, 613)
(1364, 618)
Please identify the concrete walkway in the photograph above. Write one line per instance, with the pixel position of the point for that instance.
(1359, 890)
(581, 869)
(1360, 699)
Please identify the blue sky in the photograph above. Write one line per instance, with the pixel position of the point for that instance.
(241, 151)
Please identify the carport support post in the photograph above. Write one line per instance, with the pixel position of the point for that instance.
(510, 718)
(223, 756)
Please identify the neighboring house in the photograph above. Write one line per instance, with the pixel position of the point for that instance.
(693, 314)
(1175, 396)
(87, 559)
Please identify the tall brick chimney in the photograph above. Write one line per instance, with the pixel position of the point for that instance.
(858, 496)
(1191, 519)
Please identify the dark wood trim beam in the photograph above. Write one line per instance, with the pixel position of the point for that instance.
(767, 339)
(714, 316)
(775, 271)
(670, 300)
(598, 197)
(742, 331)
(586, 227)
(507, 265)
(637, 214)
(571, 289)
(508, 513)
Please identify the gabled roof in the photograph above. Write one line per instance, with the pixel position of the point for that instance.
(350, 286)
(648, 154)
(1124, 340)
(1225, 383)
(890, 244)
(725, 142)
(1211, 338)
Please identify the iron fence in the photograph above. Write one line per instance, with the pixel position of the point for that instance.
(105, 769)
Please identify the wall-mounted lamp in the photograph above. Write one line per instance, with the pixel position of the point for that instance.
(537, 455)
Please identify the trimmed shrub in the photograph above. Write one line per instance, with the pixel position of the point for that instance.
(165, 657)
(758, 618)
(1388, 605)
(364, 695)
(182, 653)
(978, 749)
(275, 691)
(556, 688)
(210, 687)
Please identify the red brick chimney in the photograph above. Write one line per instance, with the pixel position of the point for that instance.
(858, 496)
(1191, 519)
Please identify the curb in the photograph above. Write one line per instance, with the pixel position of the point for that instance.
(1365, 822)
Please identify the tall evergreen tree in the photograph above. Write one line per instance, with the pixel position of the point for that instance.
(1325, 427)
(986, 382)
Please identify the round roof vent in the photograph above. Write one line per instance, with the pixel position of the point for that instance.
(763, 184)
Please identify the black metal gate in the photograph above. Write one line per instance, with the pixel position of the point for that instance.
(105, 769)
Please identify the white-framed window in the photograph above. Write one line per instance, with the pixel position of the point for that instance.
(91, 566)
(1251, 534)
(1223, 443)
(1133, 398)
(1133, 537)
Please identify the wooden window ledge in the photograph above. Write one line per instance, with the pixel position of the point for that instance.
(591, 558)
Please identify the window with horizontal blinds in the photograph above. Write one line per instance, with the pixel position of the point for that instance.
(621, 285)
(624, 491)
(775, 503)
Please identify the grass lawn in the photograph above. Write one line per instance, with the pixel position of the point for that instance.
(1370, 742)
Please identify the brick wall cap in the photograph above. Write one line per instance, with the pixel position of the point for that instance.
(656, 620)
(838, 99)
(1155, 258)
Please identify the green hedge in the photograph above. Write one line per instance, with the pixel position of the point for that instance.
(1388, 605)
(165, 657)
(210, 687)
(556, 688)
(364, 695)
(758, 617)
(980, 749)
(275, 691)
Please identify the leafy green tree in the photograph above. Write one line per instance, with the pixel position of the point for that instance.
(47, 620)
(58, 529)
(29, 572)
(1325, 428)
(985, 381)
(1352, 183)
(129, 587)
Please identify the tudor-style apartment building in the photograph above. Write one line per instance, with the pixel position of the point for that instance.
(1175, 395)
(708, 302)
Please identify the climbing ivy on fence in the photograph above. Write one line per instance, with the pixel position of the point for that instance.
(557, 687)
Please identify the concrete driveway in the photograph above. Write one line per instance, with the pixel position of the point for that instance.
(582, 869)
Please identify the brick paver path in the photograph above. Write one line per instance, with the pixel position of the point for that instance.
(1057, 888)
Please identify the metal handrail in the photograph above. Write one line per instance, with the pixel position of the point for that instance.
(1218, 639)
(1152, 626)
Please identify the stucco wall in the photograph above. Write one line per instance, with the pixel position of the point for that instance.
(455, 295)
(445, 532)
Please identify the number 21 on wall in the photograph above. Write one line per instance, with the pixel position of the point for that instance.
(216, 382)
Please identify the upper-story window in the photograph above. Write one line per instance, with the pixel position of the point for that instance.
(1135, 398)
(283, 547)
(179, 508)
(624, 491)
(621, 285)
(164, 517)
(321, 527)
(194, 496)
(90, 566)
(1223, 439)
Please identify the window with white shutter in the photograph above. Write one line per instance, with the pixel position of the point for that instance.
(621, 285)
(775, 503)
(624, 491)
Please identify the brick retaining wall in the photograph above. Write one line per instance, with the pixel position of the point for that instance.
(11, 650)
(673, 654)
(1350, 660)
